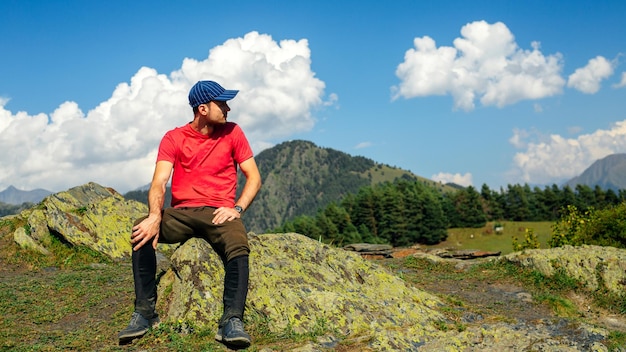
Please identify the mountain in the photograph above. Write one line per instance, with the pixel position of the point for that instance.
(299, 178)
(12, 195)
(608, 173)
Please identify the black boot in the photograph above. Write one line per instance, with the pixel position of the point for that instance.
(144, 317)
(231, 329)
(138, 326)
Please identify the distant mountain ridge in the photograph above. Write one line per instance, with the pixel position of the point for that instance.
(607, 173)
(12, 195)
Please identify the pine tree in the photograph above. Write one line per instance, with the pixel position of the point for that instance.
(469, 208)
(393, 225)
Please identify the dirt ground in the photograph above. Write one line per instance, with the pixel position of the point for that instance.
(482, 299)
(504, 299)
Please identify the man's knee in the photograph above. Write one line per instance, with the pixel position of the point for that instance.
(238, 251)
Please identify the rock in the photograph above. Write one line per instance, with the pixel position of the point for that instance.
(585, 263)
(371, 251)
(467, 254)
(367, 247)
(23, 240)
(89, 215)
(435, 259)
(301, 285)
(547, 337)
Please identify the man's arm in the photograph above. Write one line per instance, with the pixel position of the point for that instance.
(149, 228)
(253, 183)
(250, 189)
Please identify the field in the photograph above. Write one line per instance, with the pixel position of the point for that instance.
(487, 239)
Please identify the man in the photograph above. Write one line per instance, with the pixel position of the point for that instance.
(202, 158)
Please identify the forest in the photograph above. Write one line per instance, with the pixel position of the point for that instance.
(408, 212)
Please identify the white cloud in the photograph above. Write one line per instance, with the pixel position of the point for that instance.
(622, 82)
(363, 145)
(518, 140)
(115, 143)
(332, 100)
(554, 159)
(587, 79)
(463, 180)
(485, 64)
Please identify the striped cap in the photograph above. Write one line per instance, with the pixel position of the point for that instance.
(206, 91)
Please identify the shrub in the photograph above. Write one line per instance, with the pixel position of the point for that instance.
(606, 227)
(568, 229)
(530, 241)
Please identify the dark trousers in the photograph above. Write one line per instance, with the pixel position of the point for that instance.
(229, 240)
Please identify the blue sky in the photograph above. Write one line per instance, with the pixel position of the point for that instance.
(480, 92)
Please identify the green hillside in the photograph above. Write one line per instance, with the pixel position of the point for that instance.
(299, 178)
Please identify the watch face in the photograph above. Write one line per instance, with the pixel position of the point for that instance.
(238, 208)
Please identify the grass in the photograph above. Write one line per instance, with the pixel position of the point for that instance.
(384, 173)
(487, 239)
(49, 307)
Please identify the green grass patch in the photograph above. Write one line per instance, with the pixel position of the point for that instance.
(487, 239)
(61, 309)
(616, 341)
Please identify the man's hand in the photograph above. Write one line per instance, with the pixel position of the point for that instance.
(145, 231)
(223, 214)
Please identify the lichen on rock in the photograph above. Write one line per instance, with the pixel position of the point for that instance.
(89, 215)
(300, 285)
(591, 265)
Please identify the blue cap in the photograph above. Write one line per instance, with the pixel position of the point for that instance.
(206, 91)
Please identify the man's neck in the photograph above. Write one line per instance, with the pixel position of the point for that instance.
(205, 129)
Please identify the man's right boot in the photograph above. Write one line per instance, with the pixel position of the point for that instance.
(137, 327)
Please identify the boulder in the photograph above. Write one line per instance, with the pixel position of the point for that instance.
(301, 285)
(593, 266)
(90, 215)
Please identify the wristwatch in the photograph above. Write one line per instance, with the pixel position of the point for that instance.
(239, 209)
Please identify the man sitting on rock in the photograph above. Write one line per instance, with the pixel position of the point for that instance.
(202, 158)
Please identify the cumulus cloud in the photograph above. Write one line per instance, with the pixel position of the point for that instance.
(484, 64)
(463, 180)
(363, 145)
(587, 79)
(552, 159)
(115, 143)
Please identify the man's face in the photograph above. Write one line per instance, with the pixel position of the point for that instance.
(216, 112)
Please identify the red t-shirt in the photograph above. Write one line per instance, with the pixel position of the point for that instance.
(205, 167)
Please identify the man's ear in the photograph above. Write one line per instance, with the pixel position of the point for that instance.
(203, 109)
